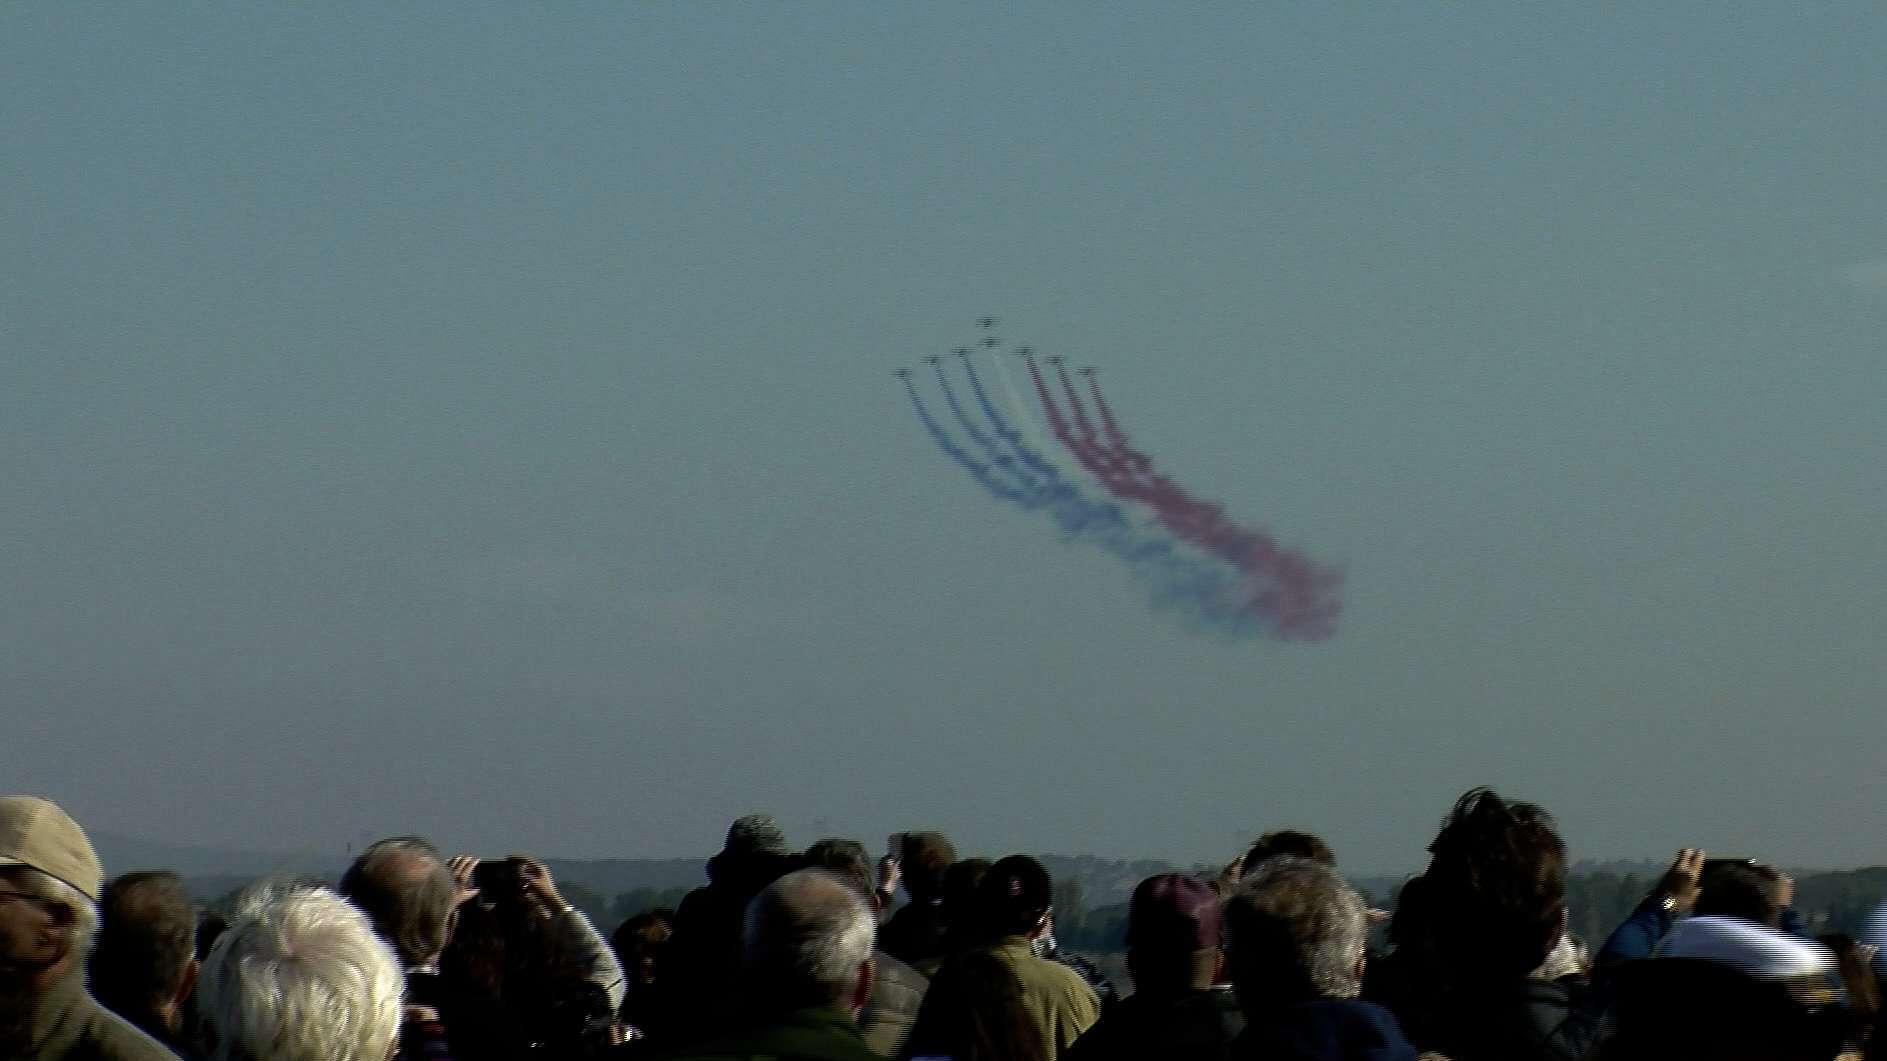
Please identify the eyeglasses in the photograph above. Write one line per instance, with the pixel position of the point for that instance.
(49, 907)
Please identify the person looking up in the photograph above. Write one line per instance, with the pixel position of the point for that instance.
(408, 893)
(1178, 1009)
(916, 933)
(1472, 929)
(806, 968)
(897, 989)
(701, 993)
(1295, 934)
(1011, 916)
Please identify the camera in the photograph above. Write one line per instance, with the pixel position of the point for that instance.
(498, 876)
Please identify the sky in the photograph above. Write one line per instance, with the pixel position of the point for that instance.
(478, 420)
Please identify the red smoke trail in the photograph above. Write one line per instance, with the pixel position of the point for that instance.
(1297, 594)
(1085, 452)
(1135, 459)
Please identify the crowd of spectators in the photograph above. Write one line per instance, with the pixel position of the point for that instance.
(810, 955)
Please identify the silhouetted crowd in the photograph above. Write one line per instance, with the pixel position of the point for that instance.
(809, 955)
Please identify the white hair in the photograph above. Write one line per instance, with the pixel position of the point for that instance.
(300, 975)
(1297, 922)
(806, 936)
(82, 931)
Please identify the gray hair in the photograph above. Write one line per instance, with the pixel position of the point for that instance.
(403, 886)
(82, 930)
(805, 937)
(300, 975)
(1295, 930)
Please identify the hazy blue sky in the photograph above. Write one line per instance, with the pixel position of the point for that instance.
(477, 420)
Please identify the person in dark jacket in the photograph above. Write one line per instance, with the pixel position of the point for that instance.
(1471, 930)
(897, 990)
(807, 968)
(1295, 938)
(50, 881)
(917, 933)
(1178, 1009)
(700, 990)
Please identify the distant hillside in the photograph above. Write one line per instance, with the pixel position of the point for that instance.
(122, 854)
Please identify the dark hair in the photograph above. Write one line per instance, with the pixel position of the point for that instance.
(1747, 890)
(1495, 887)
(1288, 843)
(1012, 897)
(846, 859)
(403, 886)
(923, 858)
(974, 1011)
(146, 942)
(639, 942)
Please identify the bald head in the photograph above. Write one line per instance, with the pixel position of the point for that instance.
(404, 887)
(808, 941)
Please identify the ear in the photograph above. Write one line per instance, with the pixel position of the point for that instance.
(1218, 967)
(861, 990)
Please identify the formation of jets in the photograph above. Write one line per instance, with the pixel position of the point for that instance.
(991, 342)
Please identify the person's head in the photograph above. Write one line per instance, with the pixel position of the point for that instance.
(50, 881)
(1294, 932)
(1288, 843)
(847, 860)
(145, 965)
(405, 888)
(1741, 888)
(1494, 893)
(1173, 934)
(808, 941)
(300, 975)
(754, 855)
(923, 858)
(1014, 897)
(638, 944)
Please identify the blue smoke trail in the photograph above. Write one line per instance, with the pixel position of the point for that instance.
(1003, 428)
(977, 469)
(1204, 591)
(999, 457)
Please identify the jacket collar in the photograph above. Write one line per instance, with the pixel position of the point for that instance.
(57, 1015)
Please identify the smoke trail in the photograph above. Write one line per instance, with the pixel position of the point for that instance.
(1300, 593)
(978, 470)
(1202, 591)
(1101, 455)
(1287, 592)
(1002, 427)
(998, 456)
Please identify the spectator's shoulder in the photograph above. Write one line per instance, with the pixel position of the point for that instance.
(109, 1037)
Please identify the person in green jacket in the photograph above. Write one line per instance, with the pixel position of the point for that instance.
(806, 963)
